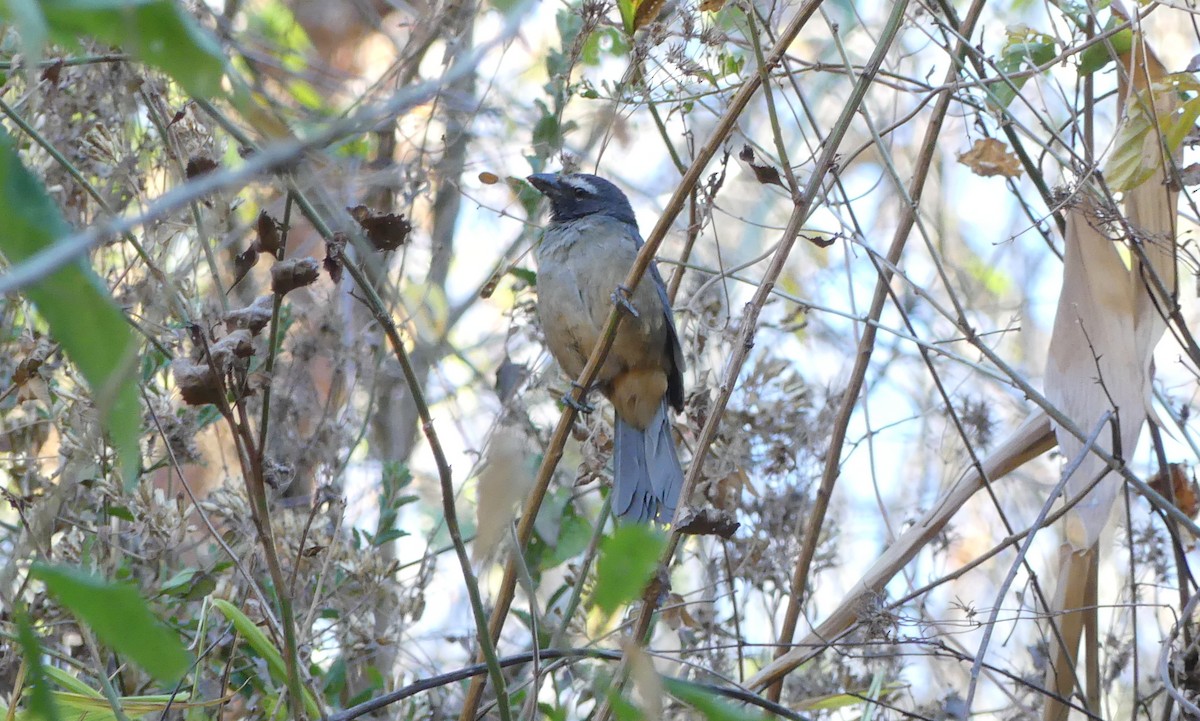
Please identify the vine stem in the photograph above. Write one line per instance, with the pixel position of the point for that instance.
(277, 155)
(554, 450)
(486, 644)
(519, 659)
(251, 459)
(825, 163)
(862, 357)
(273, 340)
(1039, 523)
(382, 316)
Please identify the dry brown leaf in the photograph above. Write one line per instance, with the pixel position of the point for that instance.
(490, 286)
(709, 522)
(335, 255)
(29, 368)
(238, 344)
(989, 157)
(243, 262)
(1093, 365)
(268, 233)
(504, 480)
(197, 384)
(1181, 487)
(385, 231)
(489, 178)
(646, 680)
(712, 6)
(199, 165)
(294, 273)
(764, 173)
(253, 317)
(34, 388)
(675, 613)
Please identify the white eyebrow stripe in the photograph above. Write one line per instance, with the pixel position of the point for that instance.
(580, 183)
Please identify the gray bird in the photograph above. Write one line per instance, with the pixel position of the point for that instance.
(586, 252)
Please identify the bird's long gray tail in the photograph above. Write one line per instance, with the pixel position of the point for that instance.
(646, 470)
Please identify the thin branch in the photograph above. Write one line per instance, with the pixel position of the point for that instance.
(724, 126)
(866, 346)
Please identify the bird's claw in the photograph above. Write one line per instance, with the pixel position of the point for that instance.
(580, 405)
(620, 298)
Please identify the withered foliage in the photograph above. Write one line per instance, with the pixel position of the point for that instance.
(385, 231)
(319, 413)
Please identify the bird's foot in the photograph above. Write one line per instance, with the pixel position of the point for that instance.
(620, 298)
(580, 405)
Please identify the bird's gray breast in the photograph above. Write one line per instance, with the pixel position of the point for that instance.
(580, 263)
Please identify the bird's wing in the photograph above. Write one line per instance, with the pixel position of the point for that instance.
(675, 350)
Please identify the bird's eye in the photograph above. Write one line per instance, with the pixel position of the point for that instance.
(579, 192)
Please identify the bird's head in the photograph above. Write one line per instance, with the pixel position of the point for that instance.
(577, 195)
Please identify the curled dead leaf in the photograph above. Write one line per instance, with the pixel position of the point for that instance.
(989, 157)
(268, 233)
(199, 165)
(385, 231)
(709, 522)
(1182, 488)
(675, 613)
(238, 344)
(489, 178)
(764, 173)
(53, 72)
(30, 366)
(490, 286)
(335, 256)
(244, 261)
(294, 273)
(197, 383)
(504, 480)
(253, 317)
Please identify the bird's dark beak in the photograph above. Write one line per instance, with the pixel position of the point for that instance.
(547, 184)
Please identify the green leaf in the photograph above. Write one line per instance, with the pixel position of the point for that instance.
(266, 650)
(41, 701)
(525, 274)
(628, 10)
(573, 537)
(622, 709)
(1096, 57)
(157, 32)
(75, 304)
(120, 512)
(120, 617)
(855, 697)
(1024, 49)
(70, 683)
(710, 706)
(395, 477)
(628, 559)
(333, 682)
(1161, 114)
(552, 713)
(387, 536)
(731, 64)
(994, 279)
(190, 584)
